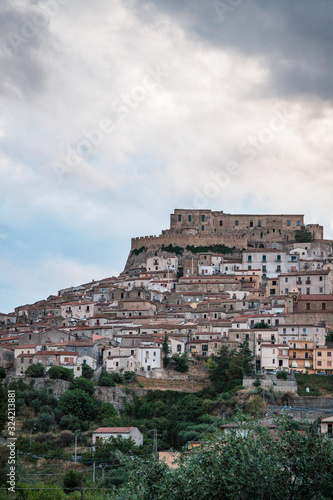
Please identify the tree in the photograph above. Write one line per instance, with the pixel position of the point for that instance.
(261, 324)
(303, 235)
(83, 384)
(72, 481)
(166, 352)
(60, 373)
(180, 363)
(87, 371)
(241, 466)
(78, 403)
(2, 372)
(106, 380)
(228, 368)
(36, 370)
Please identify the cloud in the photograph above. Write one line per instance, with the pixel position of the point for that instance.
(112, 115)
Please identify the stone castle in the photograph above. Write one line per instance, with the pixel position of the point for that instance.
(206, 227)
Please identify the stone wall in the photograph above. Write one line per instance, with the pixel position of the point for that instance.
(272, 383)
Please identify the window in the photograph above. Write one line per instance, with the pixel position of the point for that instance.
(319, 353)
(274, 282)
(264, 269)
(202, 218)
(221, 223)
(284, 331)
(320, 278)
(278, 258)
(286, 280)
(329, 354)
(304, 331)
(29, 337)
(294, 355)
(249, 267)
(273, 360)
(22, 360)
(259, 223)
(179, 218)
(202, 228)
(321, 289)
(189, 218)
(306, 355)
(264, 258)
(278, 268)
(329, 363)
(308, 305)
(288, 222)
(286, 290)
(298, 223)
(249, 258)
(323, 306)
(319, 363)
(236, 222)
(308, 291)
(251, 223)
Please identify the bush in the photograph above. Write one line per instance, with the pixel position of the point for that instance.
(282, 375)
(69, 422)
(60, 373)
(83, 384)
(64, 439)
(45, 422)
(72, 481)
(106, 380)
(78, 403)
(36, 370)
(87, 372)
(180, 363)
(129, 376)
(2, 372)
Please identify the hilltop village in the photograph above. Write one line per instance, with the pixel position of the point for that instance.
(212, 279)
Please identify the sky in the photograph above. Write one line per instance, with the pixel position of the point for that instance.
(115, 112)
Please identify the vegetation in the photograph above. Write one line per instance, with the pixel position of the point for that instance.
(179, 363)
(35, 370)
(282, 375)
(87, 371)
(137, 251)
(220, 248)
(229, 366)
(303, 235)
(2, 372)
(319, 385)
(172, 249)
(72, 481)
(261, 325)
(60, 373)
(165, 352)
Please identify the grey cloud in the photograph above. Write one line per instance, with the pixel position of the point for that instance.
(293, 39)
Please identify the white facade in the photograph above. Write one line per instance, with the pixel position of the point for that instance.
(270, 262)
(105, 433)
(313, 333)
(162, 264)
(274, 357)
(78, 310)
(307, 282)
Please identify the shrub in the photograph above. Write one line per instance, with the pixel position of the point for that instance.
(64, 439)
(87, 372)
(129, 376)
(83, 384)
(60, 373)
(45, 422)
(69, 422)
(106, 380)
(36, 370)
(282, 375)
(78, 403)
(72, 481)
(180, 363)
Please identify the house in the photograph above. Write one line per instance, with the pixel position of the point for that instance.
(103, 434)
(307, 282)
(274, 357)
(301, 356)
(326, 426)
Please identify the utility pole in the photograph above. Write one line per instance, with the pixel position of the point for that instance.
(155, 445)
(82, 498)
(75, 455)
(94, 470)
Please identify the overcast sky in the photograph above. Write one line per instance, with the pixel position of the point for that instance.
(115, 112)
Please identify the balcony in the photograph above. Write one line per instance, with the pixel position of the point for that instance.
(308, 282)
(299, 282)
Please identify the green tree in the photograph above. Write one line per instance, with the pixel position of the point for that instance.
(87, 371)
(35, 370)
(72, 481)
(83, 384)
(180, 363)
(166, 352)
(78, 403)
(303, 235)
(60, 373)
(261, 324)
(106, 380)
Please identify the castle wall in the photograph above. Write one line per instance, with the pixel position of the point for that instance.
(156, 242)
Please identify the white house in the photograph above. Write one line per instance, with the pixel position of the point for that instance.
(272, 262)
(162, 264)
(274, 357)
(103, 434)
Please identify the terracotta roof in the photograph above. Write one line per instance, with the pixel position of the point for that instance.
(114, 430)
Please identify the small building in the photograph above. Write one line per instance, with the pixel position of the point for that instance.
(326, 426)
(103, 434)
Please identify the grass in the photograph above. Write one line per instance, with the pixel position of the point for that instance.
(319, 385)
